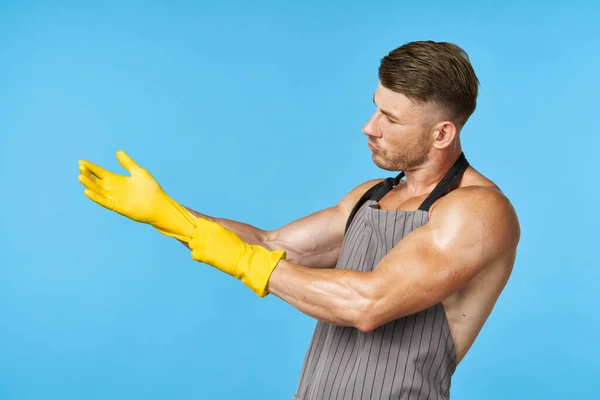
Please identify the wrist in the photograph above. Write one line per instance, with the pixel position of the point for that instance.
(172, 219)
(256, 266)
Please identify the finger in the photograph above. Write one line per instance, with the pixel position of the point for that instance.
(91, 185)
(106, 202)
(198, 239)
(95, 169)
(86, 172)
(198, 255)
(193, 243)
(127, 162)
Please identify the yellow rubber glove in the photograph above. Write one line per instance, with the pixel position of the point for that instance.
(138, 197)
(217, 246)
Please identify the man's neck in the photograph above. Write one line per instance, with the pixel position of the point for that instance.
(424, 178)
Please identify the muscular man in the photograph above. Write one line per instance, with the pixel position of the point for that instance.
(401, 274)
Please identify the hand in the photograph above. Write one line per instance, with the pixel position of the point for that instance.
(138, 197)
(215, 245)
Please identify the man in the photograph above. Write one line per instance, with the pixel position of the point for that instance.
(401, 274)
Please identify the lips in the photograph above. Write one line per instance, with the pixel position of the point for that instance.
(372, 147)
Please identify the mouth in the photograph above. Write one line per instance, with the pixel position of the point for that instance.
(372, 147)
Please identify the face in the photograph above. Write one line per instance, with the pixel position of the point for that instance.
(399, 131)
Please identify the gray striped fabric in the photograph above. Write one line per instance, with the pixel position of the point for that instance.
(410, 358)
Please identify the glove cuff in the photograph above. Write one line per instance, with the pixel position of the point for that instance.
(256, 266)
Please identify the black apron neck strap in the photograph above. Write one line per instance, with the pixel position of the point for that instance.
(382, 188)
(375, 193)
(453, 174)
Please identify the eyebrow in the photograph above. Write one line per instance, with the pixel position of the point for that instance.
(388, 113)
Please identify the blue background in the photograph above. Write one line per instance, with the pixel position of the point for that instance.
(254, 113)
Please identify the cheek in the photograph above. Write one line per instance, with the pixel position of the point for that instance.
(383, 130)
(393, 136)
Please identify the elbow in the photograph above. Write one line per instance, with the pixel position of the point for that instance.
(365, 318)
(375, 312)
(378, 313)
(365, 326)
(367, 304)
(366, 323)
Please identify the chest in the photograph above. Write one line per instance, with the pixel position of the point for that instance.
(374, 233)
(400, 200)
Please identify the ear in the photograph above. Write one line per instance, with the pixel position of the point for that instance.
(444, 134)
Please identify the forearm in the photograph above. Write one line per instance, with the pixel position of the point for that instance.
(340, 297)
(246, 232)
(313, 255)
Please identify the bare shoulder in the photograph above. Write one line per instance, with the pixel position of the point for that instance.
(476, 190)
(346, 204)
(479, 210)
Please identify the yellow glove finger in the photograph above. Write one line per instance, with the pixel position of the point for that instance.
(127, 162)
(198, 253)
(91, 185)
(198, 239)
(198, 242)
(101, 200)
(86, 172)
(96, 170)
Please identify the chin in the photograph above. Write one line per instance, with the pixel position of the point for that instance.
(381, 163)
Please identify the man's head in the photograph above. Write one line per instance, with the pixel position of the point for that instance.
(427, 91)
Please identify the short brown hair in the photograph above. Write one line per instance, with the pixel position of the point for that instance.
(433, 72)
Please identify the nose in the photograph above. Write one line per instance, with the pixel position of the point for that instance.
(370, 128)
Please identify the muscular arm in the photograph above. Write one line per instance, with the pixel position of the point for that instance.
(470, 229)
(246, 232)
(313, 241)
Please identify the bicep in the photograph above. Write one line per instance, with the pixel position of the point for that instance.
(436, 260)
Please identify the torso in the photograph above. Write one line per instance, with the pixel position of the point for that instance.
(467, 309)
